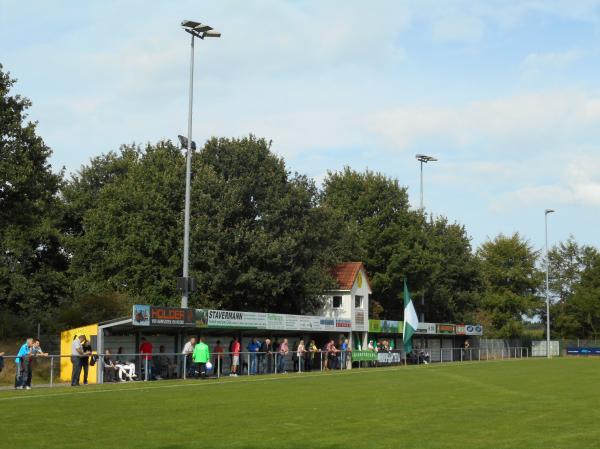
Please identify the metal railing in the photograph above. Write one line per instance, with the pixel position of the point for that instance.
(158, 366)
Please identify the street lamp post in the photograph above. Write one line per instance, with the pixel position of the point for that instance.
(197, 30)
(546, 212)
(423, 158)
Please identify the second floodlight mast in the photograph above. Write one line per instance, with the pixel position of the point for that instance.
(199, 30)
(423, 158)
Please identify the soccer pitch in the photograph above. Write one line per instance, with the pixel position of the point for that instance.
(506, 404)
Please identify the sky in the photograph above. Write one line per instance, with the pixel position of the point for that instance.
(506, 94)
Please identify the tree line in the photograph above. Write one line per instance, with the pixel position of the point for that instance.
(84, 247)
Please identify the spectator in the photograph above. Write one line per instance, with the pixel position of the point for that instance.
(188, 350)
(466, 350)
(253, 348)
(146, 351)
(109, 367)
(282, 353)
(36, 351)
(77, 355)
(235, 356)
(23, 364)
(1, 361)
(300, 351)
(218, 360)
(424, 357)
(163, 366)
(332, 353)
(324, 354)
(201, 356)
(295, 356)
(311, 353)
(85, 359)
(125, 369)
(265, 357)
(343, 352)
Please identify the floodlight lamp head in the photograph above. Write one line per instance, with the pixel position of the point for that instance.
(425, 158)
(183, 141)
(189, 24)
(549, 211)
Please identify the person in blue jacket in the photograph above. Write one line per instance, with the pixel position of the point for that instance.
(23, 362)
(253, 348)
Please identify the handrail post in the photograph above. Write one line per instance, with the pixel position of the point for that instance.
(184, 366)
(51, 371)
(218, 366)
(145, 369)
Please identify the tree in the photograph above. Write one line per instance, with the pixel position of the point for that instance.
(126, 213)
(511, 281)
(259, 240)
(395, 242)
(568, 261)
(583, 308)
(32, 262)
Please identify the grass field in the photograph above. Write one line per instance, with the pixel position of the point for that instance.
(507, 404)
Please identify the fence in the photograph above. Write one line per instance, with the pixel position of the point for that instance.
(158, 366)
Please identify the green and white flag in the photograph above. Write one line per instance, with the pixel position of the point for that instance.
(411, 321)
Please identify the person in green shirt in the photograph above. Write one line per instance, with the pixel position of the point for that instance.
(201, 355)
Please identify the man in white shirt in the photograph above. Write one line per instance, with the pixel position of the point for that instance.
(188, 350)
(77, 359)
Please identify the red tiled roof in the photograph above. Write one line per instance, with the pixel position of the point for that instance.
(345, 274)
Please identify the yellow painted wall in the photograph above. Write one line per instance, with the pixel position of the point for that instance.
(66, 341)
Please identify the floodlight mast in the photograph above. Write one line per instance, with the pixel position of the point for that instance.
(546, 213)
(423, 158)
(199, 30)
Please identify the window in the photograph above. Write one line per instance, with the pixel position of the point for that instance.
(337, 302)
(358, 302)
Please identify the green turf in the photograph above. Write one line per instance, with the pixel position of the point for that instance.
(507, 404)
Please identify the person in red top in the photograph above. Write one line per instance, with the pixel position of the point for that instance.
(146, 351)
(235, 359)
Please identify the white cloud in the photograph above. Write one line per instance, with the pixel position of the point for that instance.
(457, 27)
(540, 64)
(513, 124)
(578, 184)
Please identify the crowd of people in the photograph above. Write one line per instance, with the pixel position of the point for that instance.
(264, 357)
(258, 357)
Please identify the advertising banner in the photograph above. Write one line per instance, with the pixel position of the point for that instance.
(238, 320)
(359, 322)
(276, 321)
(145, 315)
(426, 328)
(461, 329)
(583, 351)
(473, 329)
(445, 329)
(301, 322)
(388, 358)
(364, 356)
(385, 326)
(343, 324)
